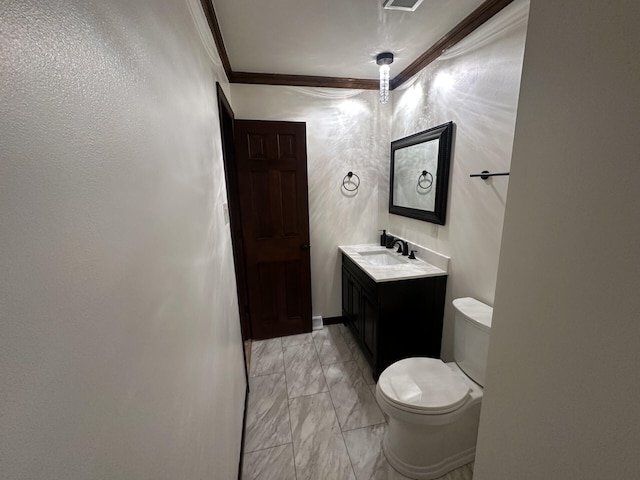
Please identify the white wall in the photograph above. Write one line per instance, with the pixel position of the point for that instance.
(347, 130)
(350, 130)
(475, 84)
(561, 399)
(120, 350)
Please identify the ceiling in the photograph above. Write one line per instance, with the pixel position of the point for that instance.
(331, 38)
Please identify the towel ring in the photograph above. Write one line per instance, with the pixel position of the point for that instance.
(348, 179)
(428, 178)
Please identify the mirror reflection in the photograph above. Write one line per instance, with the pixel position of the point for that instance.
(414, 176)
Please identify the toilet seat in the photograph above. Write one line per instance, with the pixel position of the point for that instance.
(424, 386)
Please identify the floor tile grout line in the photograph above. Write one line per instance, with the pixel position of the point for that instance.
(325, 381)
(353, 386)
(335, 412)
(332, 402)
(349, 455)
(465, 467)
(265, 374)
(286, 387)
(284, 374)
(363, 426)
(297, 344)
(289, 399)
(329, 340)
(308, 394)
(355, 345)
(320, 363)
(269, 448)
(332, 406)
(343, 361)
(282, 347)
(257, 358)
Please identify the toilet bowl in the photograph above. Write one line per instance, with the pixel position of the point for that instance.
(433, 408)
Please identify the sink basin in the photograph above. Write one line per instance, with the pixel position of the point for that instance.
(382, 258)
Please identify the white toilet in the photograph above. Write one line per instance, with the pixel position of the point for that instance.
(434, 407)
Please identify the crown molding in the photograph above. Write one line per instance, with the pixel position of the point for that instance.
(212, 20)
(303, 80)
(475, 19)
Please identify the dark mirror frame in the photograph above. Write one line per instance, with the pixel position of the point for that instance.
(444, 135)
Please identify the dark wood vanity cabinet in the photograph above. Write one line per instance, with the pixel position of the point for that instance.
(393, 320)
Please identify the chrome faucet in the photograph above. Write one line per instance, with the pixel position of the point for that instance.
(402, 248)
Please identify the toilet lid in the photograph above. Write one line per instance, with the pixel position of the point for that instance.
(423, 385)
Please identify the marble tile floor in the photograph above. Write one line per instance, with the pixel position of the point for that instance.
(312, 413)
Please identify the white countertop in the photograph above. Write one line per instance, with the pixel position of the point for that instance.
(417, 268)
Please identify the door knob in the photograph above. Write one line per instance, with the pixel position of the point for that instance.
(305, 247)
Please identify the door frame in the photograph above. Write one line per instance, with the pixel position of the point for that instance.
(227, 117)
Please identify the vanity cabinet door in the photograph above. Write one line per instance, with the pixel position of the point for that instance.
(369, 323)
(351, 301)
(347, 300)
(393, 320)
(357, 308)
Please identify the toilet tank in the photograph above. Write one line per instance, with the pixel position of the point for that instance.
(472, 326)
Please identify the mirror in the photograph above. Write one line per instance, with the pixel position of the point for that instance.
(420, 174)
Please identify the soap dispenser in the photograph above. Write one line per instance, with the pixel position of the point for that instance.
(383, 238)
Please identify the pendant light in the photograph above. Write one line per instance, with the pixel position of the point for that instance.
(384, 60)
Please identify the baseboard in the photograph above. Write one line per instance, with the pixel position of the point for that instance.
(333, 320)
(244, 426)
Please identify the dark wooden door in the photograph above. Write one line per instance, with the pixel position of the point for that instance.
(271, 160)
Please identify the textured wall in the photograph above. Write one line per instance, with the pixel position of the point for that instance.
(474, 84)
(120, 351)
(346, 131)
(561, 399)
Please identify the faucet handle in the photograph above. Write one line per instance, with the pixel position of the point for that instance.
(399, 248)
(412, 255)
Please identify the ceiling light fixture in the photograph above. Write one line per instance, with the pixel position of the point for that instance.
(384, 60)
